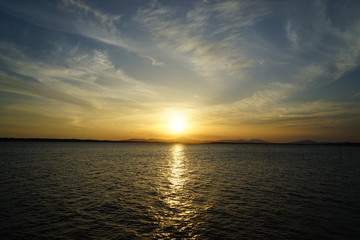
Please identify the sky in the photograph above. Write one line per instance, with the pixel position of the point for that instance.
(202, 70)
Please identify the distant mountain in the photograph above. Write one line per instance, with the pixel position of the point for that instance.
(307, 141)
(143, 140)
(258, 141)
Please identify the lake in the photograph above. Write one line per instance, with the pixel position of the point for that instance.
(89, 190)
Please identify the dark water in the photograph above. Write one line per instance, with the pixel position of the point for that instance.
(165, 191)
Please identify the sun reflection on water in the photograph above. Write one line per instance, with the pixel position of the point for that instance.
(177, 176)
(177, 217)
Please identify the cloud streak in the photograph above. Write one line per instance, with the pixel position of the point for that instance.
(107, 20)
(189, 37)
(247, 66)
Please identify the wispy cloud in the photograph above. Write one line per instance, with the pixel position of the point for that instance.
(238, 14)
(228, 63)
(153, 61)
(15, 85)
(95, 24)
(311, 61)
(82, 78)
(81, 89)
(308, 27)
(105, 19)
(190, 37)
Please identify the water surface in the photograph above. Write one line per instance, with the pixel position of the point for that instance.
(176, 191)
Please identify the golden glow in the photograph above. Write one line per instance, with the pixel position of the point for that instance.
(180, 210)
(177, 124)
(177, 168)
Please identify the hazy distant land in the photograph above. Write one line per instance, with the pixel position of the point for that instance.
(154, 140)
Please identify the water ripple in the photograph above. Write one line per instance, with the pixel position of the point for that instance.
(165, 191)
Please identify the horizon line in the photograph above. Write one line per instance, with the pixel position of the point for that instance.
(188, 141)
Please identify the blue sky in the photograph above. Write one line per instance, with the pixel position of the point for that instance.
(277, 70)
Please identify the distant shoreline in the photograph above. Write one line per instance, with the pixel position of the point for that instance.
(294, 143)
(170, 141)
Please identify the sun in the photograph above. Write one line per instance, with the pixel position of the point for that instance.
(177, 124)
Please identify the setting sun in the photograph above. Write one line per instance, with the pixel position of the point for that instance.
(177, 124)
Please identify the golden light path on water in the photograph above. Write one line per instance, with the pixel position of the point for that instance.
(177, 218)
(177, 176)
